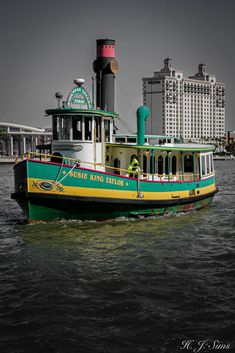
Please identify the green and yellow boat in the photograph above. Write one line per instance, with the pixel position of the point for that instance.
(85, 175)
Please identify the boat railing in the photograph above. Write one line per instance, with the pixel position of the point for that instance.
(171, 177)
(115, 170)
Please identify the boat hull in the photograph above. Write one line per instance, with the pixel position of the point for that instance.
(48, 191)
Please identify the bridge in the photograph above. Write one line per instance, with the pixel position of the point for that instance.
(16, 139)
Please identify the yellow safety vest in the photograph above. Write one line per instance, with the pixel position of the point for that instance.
(134, 167)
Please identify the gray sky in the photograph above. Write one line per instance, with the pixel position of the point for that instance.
(45, 44)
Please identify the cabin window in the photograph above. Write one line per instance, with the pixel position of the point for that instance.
(107, 130)
(174, 165)
(131, 139)
(117, 164)
(166, 165)
(208, 169)
(160, 165)
(212, 162)
(144, 164)
(203, 164)
(65, 128)
(188, 164)
(55, 127)
(120, 139)
(77, 128)
(88, 128)
(199, 165)
(97, 129)
(207, 165)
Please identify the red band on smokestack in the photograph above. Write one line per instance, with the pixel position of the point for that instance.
(106, 51)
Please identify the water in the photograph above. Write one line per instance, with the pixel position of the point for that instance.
(120, 286)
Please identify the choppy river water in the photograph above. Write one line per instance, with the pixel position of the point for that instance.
(126, 286)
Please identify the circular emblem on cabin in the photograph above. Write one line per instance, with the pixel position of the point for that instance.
(47, 185)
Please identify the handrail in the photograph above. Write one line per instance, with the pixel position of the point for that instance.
(121, 171)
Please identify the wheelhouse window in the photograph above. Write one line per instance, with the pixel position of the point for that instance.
(77, 128)
(107, 130)
(88, 128)
(55, 125)
(97, 129)
(64, 128)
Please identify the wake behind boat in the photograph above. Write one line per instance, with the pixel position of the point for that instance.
(89, 172)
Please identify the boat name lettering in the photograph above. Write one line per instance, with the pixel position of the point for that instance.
(114, 181)
(78, 175)
(99, 178)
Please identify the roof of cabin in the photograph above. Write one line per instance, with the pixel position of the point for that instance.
(84, 112)
(186, 147)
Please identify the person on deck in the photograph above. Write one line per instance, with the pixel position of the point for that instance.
(134, 168)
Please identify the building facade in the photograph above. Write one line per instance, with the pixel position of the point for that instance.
(16, 139)
(192, 108)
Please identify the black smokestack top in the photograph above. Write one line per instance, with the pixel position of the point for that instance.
(105, 67)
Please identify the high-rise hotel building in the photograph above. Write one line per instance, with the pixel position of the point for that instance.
(193, 107)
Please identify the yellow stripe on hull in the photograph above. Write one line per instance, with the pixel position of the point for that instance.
(34, 187)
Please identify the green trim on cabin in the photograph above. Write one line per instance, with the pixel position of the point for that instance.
(72, 111)
(163, 148)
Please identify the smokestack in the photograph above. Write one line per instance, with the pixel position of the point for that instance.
(105, 66)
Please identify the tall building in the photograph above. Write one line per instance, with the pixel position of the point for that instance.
(192, 107)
